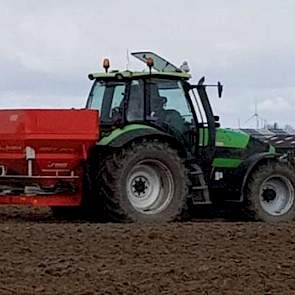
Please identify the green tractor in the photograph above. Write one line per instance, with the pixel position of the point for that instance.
(161, 150)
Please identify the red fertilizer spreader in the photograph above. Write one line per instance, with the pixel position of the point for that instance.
(43, 153)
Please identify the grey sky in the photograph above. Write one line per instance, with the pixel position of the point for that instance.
(48, 48)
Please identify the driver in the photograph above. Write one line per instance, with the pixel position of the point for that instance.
(171, 117)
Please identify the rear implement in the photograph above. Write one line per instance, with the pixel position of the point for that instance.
(42, 153)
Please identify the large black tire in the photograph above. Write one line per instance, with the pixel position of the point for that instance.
(270, 193)
(145, 182)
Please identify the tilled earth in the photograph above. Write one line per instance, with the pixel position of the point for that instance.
(41, 255)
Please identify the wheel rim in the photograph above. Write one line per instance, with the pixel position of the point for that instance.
(276, 195)
(150, 186)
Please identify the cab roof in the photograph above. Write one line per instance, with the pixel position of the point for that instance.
(136, 75)
(161, 69)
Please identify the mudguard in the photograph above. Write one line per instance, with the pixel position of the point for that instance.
(249, 165)
(130, 133)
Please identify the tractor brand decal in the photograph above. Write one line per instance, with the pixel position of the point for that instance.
(56, 149)
(219, 143)
(11, 148)
(53, 165)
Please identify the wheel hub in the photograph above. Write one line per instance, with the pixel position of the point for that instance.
(269, 195)
(140, 186)
(277, 195)
(150, 186)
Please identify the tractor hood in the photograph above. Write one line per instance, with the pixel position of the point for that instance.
(229, 138)
(233, 147)
(226, 138)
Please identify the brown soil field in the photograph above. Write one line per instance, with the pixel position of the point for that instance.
(42, 255)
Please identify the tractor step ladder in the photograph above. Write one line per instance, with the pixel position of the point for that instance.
(198, 190)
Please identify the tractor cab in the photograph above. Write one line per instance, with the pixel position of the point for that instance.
(160, 97)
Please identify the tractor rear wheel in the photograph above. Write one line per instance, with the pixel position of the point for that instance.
(271, 194)
(145, 182)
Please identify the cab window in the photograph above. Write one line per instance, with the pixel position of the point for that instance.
(108, 98)
(135, 110)
(168, 105)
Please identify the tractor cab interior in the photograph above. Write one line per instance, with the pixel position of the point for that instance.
(168, 105)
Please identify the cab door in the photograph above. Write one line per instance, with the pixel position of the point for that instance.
(168, 108)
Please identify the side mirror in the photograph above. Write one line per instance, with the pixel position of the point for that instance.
(220, 89)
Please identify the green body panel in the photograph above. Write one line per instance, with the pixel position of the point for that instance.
(226, 138)
(239, 144)
(119, 131)
(229, 138)
(226, 163)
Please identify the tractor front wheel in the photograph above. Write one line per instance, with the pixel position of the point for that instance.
(270, 193)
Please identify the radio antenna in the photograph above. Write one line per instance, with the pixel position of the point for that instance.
(128, 61)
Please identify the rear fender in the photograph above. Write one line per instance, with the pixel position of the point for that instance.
(146, 134)
(248, 166)
(137, 135)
